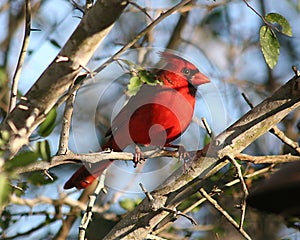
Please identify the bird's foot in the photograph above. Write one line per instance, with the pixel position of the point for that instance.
(183, 155)
(138, 156)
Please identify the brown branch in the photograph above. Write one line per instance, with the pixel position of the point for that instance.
(286, 140)
(276, 159)
(63, 200)
(72, 216)
(175, 38)
(138, 223)
(71, 157)
(224, 213)
(245, 190)
(66, 125)
(16, 77)
(164, 224)
(57, 78)
(87, 217)
(141, 34)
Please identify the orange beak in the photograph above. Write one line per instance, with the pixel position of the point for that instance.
(199, 78)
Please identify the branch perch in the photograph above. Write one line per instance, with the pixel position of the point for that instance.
(138, 223)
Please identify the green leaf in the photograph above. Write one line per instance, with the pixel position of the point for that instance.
(129, 204)
(38, 178)
(43, 148)
(269, 46)
(22, 187)
(21, 160)
(4, 138)
(281, 21)
(5, 189)
(206, 139)
(134, 85)
(48, 125)
(149, 78)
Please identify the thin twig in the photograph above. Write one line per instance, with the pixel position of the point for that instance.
(272, 26)
(143, 10)
(141, 34)
(97, 157)
(203, 199)
(66, 124)
(248, 176)
(247, 100)
(87, 217)
(148, 195)
(245, 190)
(286, 140)
(207, 127)
(175, 212)
(16, 77)
(224, 213)
(273, 159)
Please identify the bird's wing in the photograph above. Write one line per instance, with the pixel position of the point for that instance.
(145, 95)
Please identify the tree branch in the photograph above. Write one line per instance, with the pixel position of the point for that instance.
(57, 78)
(14, 88)
(143, 219)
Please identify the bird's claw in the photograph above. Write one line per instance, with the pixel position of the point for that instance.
(138, 156)
(186, 157)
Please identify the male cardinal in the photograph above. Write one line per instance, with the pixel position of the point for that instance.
(155, 116)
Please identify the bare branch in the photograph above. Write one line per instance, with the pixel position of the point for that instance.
(58, 77)
(87, 217)
(207, 127)
(275, 159)
(229, 143)
(286, 140)
(16, 77)
(71, 157)
(245, 190)
(66, 124)
(224, 213)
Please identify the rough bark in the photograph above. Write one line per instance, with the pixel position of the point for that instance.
(56, 79)
(149, 214)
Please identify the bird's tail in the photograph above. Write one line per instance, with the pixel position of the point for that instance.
(85, 175)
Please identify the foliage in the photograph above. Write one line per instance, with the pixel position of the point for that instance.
(268, 40)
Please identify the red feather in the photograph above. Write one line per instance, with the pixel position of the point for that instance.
(156, 115)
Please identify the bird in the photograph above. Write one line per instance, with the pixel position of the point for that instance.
(155, 116)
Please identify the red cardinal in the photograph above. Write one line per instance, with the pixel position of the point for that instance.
(155, 116)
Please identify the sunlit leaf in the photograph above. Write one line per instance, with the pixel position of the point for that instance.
(5, 189)
(149, 78)
(21, 160)
(129, 204)
(269, 46)
(206, 140)
(134, 85)
(48, 125)
(285, 27)
(43, 149)
(38, 178)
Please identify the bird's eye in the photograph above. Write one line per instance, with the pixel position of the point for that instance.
(186, 71)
